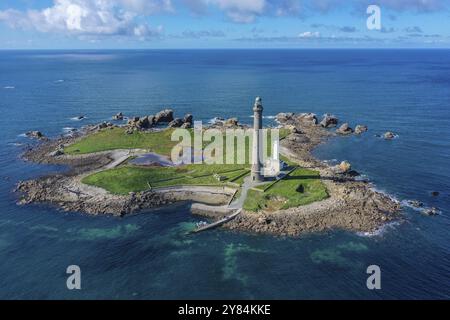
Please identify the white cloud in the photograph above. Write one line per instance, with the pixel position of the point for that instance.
(246, 11)
(101, 18)
(90, 17)
(242, 11)
(309, 35)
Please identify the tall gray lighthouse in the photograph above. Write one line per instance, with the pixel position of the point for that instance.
(257, 175)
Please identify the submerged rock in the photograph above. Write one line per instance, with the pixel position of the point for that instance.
(431, 211)
(415, 203)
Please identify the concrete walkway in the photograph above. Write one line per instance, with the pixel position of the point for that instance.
(247, 185)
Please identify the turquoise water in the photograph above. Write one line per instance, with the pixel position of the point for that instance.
(149, 255)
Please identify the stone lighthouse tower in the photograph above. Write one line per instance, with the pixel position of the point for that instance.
(256, 152)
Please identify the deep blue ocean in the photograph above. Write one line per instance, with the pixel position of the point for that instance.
(148, 255)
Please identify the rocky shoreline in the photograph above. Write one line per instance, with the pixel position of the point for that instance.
(352, 205)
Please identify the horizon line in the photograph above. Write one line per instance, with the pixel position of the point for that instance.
(237, 48)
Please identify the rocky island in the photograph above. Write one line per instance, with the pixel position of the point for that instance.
(121, 168)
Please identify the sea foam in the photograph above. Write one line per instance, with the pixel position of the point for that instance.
(78, 118)
(265, 117)
(380, 231)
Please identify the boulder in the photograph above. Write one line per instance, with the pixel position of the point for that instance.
(284, 117)
(232, 122)
(389, 135)
(361, 129)
(186, 125)
(353, 173)
(298, 138)
(151, 119)
(143, 123)
(264, 220)
(140, 123)
(329, 121)
(308, 118)
(344, 166)
(344, 129)
(56, 153)
(102, 125)
(164, 116)
(133, 120)
(177, 123)
(188, 118)
(294, 129)
(118, 116)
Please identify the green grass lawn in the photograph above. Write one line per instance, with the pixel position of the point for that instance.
(301, 187)
(123, 180)
(158, 142)
(116, 138)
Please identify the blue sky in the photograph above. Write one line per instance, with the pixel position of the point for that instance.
(124, 24)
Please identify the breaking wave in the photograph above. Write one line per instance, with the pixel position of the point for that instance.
(79, 118)
(215, 120)
(265, 117)
(380, 231)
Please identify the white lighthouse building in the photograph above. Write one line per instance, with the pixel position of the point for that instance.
(257, 174)
(261, 167)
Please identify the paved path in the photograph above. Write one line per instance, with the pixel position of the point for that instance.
(248, 184)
